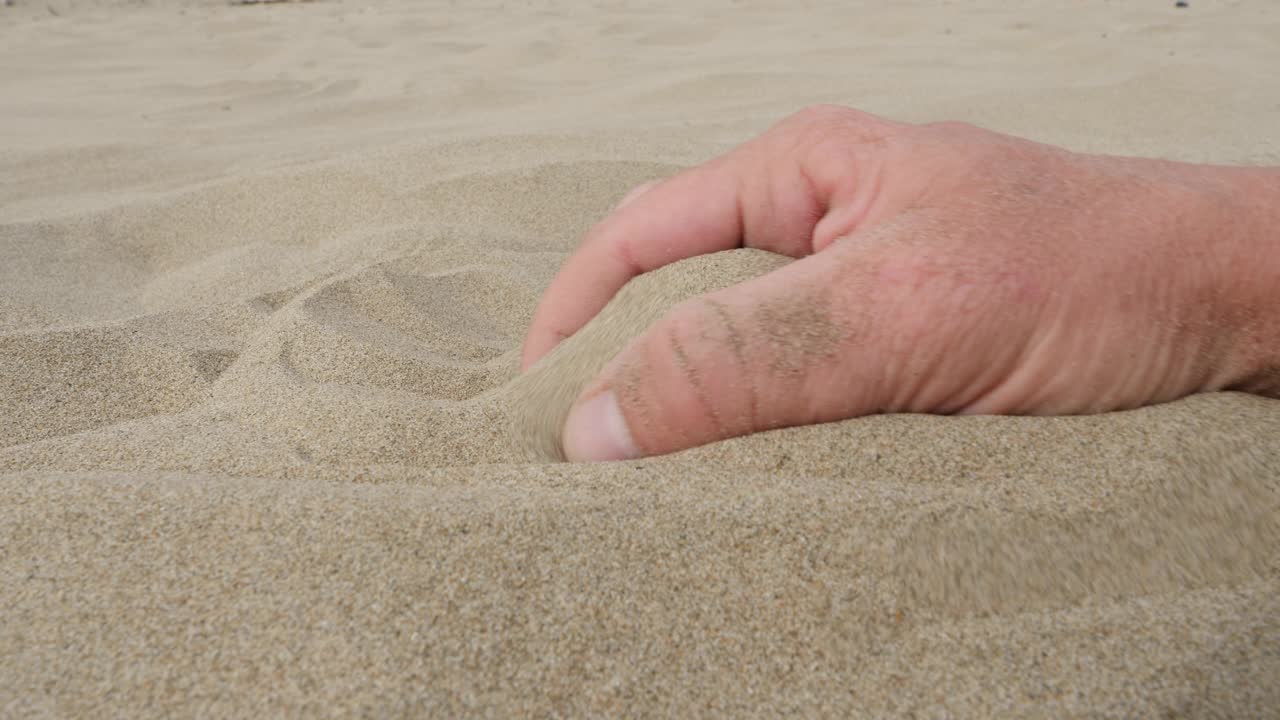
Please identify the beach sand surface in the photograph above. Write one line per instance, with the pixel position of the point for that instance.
(264, 275)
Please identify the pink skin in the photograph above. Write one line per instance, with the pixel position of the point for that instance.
(942, 268)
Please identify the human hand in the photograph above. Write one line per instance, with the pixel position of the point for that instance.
(944, 269)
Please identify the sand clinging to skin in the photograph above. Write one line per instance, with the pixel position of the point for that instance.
(541, 398)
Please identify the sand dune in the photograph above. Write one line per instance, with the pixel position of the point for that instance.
(264, 275)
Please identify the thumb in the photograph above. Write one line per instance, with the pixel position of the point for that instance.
(775, 351)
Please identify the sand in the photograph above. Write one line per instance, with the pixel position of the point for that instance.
(264, 275)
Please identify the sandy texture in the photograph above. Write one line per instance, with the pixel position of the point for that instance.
(264, 273)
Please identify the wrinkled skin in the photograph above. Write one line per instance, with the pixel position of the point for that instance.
(941, 268)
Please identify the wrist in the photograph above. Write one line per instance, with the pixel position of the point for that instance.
(1251, 286)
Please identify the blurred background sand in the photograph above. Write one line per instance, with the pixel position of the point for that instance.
(264, 273)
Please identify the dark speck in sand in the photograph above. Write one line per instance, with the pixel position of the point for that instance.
(1182, 4)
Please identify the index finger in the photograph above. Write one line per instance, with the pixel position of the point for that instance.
(693, 213)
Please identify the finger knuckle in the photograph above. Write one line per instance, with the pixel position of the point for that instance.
(685, 399)
(683, 338)
(825, 117)
(831, 129)
(822, 111)
(954, 126)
